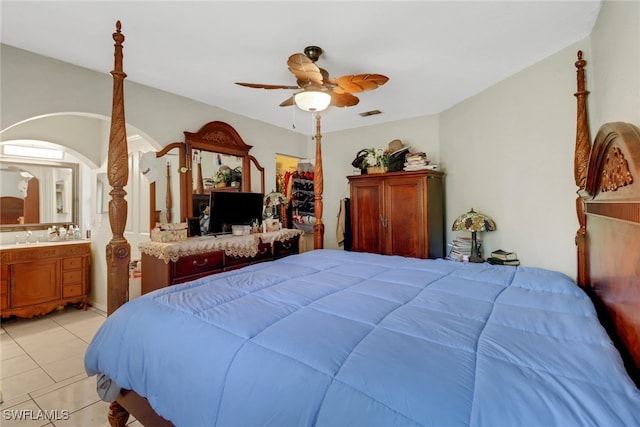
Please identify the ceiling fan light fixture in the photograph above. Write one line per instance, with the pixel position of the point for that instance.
(312, 100)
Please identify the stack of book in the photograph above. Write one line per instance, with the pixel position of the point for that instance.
(503, 258)
(461, 248)
(417, 161)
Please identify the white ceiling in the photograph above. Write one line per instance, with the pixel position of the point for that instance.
(435, 54)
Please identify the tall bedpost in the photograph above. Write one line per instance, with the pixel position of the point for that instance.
(580, 165)
(118, 250)
(318, 186)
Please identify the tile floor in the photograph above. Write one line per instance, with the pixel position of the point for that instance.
(42, 373)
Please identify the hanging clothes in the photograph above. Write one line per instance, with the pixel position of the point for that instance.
(343, 227)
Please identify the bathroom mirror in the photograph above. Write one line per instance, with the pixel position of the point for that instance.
(34, 196)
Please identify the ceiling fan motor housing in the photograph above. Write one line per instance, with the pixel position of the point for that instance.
(313, 52)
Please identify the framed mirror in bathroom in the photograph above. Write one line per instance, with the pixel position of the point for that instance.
(34, 196)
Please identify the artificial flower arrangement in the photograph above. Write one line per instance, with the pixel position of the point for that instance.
(376, 157)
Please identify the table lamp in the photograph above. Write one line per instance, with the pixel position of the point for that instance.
(272, 201)
(473, 221)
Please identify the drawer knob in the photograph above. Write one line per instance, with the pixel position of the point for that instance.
(206, 260)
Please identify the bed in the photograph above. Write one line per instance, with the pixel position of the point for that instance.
(330, 337)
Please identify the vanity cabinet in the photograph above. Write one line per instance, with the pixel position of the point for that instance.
(39, 278)
(398, 213)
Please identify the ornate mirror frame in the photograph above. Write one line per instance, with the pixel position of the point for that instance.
(222, 138)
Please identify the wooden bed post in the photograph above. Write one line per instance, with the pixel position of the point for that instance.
(318, 186)
(581, 163)
(118, 250)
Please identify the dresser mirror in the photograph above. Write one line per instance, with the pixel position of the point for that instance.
(220, 161)
(34, 196)
(166, 172)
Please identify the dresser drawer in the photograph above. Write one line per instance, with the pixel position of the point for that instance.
(198, 264)
(264, 252)
(71, 263)
(73, 276)
(285, 248)
(69, 291)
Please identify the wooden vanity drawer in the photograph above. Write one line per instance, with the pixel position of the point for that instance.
(70, 263)
(73, 276)
(199, 264)
(71, 290)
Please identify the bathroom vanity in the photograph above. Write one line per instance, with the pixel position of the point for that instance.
(37, 278)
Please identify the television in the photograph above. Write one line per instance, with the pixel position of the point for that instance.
(228, 208)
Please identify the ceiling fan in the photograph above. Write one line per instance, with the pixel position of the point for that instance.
(311, 78)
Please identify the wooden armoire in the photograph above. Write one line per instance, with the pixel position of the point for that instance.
(398, 213)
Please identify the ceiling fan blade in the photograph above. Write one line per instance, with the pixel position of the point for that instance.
(304, 69)
(360, 82)
(288, 102)
(343, 100)
(262, 86)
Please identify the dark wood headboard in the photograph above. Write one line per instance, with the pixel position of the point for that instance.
(608, 205)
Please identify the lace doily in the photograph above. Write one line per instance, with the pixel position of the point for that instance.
(243, 246)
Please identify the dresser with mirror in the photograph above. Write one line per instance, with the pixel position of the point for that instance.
(213, 159)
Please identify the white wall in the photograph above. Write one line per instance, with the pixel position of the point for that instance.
(509, 155)
(614, 65)
(509, 150)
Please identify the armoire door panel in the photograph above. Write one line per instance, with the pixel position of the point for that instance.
(367, 218)
(398, 213)
(405, 218)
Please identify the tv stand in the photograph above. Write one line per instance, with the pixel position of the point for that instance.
(166, 264)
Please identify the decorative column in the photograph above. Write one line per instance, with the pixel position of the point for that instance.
(581, 163)
(318, 186)
(168, 202)
(118, 250)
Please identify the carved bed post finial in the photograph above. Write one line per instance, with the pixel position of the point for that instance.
(118, 251)
(580, 165)
(318, 186)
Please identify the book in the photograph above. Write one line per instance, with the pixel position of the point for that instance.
(497, 261)
(504, 255)
(460, 247)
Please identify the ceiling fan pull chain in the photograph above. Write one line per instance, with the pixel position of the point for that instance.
(293, 125)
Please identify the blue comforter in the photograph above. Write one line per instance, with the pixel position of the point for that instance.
(340, 338)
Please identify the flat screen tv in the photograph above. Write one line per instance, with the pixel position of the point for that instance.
(233, 208)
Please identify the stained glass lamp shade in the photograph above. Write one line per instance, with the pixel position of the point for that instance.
(273, 200)
(474, 222)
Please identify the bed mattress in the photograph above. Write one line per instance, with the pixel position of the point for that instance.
(339, 338)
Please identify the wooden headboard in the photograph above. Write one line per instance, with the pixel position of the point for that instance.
(608, 205)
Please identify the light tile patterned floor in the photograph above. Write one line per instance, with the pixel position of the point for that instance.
(42, 372)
